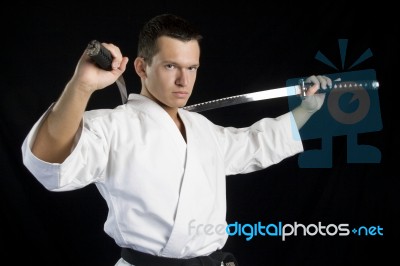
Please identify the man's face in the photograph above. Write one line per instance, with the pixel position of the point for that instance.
(172, 74)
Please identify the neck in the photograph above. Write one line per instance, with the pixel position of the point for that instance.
(171, 111)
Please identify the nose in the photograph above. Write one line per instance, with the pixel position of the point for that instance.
(182, 79)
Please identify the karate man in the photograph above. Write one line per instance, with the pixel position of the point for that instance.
(158, 167)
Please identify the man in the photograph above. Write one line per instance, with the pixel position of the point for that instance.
(160, 168)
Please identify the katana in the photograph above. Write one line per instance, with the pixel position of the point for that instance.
(299, 90)
(103, 58)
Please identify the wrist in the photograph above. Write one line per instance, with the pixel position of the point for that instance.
(312, 103)
(81, 88)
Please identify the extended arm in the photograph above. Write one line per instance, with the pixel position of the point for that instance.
(56, 134)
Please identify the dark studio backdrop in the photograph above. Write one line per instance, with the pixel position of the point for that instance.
(246, 48)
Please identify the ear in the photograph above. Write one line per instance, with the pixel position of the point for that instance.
(140, 67)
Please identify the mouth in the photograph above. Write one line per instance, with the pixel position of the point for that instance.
(181, 94)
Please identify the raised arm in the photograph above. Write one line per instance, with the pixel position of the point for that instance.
(56, 134)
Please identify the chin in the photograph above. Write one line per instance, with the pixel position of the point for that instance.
(182, 104)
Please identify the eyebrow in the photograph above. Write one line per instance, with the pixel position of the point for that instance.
(177, 64)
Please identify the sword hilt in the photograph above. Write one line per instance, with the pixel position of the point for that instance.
(99, 54)
(339, 84)
(103, 58)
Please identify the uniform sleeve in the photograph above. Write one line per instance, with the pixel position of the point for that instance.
(264, 143)
(83, 166)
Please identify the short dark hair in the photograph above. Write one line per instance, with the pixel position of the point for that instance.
(164, 25)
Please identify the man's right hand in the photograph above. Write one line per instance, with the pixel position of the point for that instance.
(89, 77)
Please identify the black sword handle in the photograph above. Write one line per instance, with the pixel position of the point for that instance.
(99, 54)
(359, 84)
(103, 58)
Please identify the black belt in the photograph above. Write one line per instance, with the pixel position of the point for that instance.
(137, 258)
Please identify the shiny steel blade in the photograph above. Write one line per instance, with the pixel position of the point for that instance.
(244, 98)
(301, 89)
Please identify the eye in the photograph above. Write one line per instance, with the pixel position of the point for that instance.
(169, 66)
(193, 68)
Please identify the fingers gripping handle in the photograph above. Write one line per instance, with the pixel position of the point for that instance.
(338, 84)
(103, 58)
(99, 54)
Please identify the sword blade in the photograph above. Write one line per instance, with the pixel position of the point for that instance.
(122, 89)
(300, 90)
(245, 98)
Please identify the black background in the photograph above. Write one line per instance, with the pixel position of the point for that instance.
(247, 47)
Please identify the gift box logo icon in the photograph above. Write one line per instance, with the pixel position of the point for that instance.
(345, 112)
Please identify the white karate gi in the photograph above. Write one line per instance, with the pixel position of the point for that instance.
(154, 182)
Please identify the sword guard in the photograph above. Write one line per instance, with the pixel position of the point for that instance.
(303, 88)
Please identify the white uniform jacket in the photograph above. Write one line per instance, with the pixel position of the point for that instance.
(158, 187)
